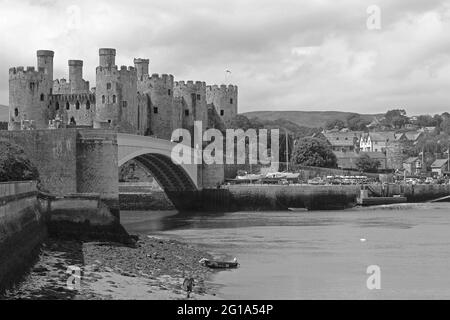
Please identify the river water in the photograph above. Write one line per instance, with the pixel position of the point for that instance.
(319, 255)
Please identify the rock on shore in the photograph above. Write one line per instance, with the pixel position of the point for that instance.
(151, 269)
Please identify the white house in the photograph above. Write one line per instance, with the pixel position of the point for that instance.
(376, 141)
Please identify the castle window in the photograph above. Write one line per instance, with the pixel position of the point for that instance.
(124, 104)
(186, 112)
(169, 92)
(108, 86)
(67, 105)
(31, 85)
(109, 121)
(77, 105)
(42, 97)
(57, 106)
(199, 97)
(231, 101)
(114, 99)
(72, 121)
(155, 110)
(88, 105)
(16, 112)
(103, 99)
(222, 113)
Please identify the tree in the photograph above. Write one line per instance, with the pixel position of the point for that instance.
(314, 152)
(334, 124)
(396, 118)
(244, 123)
(356, 123)
(367, 164)
(424, 121)
(445, 125)
(14, 164)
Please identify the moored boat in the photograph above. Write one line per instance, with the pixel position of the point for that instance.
(213, 264)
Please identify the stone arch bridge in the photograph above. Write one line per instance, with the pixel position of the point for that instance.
(155, 155)
(86, 161)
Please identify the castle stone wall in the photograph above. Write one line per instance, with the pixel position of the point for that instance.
(225, 100)
(160, 90)
(53, 152)
(193, 96)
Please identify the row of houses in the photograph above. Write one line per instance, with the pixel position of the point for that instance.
(346, 141)
(348, 146)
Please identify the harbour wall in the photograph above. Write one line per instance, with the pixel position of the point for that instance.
(274, 197)
(22, 229)
(280, 197)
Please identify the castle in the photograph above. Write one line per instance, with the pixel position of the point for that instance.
(127, 99)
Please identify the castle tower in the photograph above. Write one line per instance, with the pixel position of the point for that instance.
(141, 66)
(160, 90)
(193, 96)
(30, 91)
(116, 93)
(107, 57)
(224, 99)
(45, 61)
(77, 84)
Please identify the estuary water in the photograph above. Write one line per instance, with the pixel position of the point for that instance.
(320, 254)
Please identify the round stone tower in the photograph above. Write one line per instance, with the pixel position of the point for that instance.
(30, 91)
(107, 57)
(194, 97)
(77, 84)
(224, 99)
(45, 61)
(161, 111)
(141, 66)
(115, 93)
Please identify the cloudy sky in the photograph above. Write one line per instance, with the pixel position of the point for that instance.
(284, 55)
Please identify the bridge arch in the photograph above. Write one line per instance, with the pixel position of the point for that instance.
(155, 155)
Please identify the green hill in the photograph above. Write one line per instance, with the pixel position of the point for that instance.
(311, 119)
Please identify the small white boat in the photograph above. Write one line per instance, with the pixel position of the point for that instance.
(298, 209)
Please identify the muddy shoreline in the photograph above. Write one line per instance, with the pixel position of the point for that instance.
(153, 268)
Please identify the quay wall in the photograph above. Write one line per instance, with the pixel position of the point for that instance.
(275, 197)
(22, 229)
(279, 197)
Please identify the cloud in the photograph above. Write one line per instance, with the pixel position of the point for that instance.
(290, 55)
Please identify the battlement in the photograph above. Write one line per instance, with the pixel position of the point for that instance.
(125, 68)
(29, 73)
(141, 61)
(166, 78)
(45, 53)
(190, 85)
(75, 63)
(107, 52)
(222, 88)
